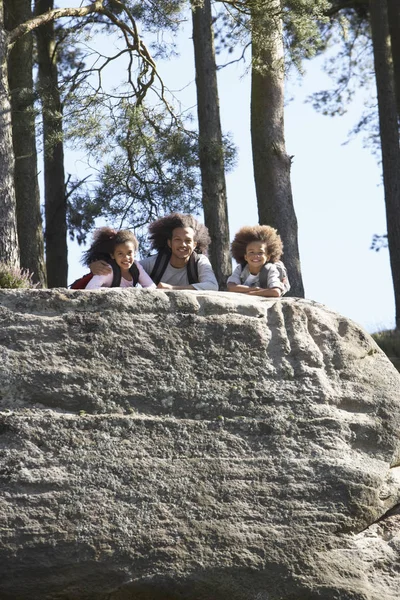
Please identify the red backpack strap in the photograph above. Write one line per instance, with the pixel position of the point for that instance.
(81, 283)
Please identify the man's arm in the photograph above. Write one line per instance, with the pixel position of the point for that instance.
(207, 279)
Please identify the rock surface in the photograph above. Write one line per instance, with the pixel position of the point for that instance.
(194, 446)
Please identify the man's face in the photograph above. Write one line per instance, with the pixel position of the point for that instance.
(182, 243)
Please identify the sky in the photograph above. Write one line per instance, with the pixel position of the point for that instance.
(337, 189)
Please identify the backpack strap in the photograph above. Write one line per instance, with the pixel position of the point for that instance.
(282, 276)
(160, 265)
(134, 271)
(116, 273)
(245, 272)
(264, 276)
(162, 262)
(192, 268)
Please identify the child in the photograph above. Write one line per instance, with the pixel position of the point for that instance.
(120, 246)
(259, 273)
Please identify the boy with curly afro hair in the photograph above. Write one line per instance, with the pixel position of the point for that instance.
(258, 251)
(181, 243)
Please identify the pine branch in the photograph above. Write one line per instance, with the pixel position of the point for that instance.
(338, 5)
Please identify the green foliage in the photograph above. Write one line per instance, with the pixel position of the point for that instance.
(151, 169)
(301, 21)
(155, 16)
(12, 278)
(389, 342)
(142, 159)
(347, 38)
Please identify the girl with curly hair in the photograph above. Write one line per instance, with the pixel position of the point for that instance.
(120, 248)
(180, 263)
(258, 251)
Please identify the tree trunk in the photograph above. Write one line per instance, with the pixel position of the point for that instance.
(9, 252)
(389, 134)
(29, 220)
(210, 143)
(270, 161)
(394, 28)
(54, 179)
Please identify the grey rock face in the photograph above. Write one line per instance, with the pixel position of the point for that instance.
(194, 446)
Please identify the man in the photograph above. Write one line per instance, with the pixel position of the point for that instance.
(180, 263)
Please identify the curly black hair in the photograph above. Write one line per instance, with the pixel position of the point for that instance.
(105, 239)
(257, 233)
(161, 231)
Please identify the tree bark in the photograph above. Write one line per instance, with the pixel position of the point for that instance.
(389, 134)
(394, 28)
(271, 163)
(9, 252)
(29, 220)
(210, 143)
(54, 177)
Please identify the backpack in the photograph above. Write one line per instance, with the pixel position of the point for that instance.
(80, 284)
(264, 275)
(161, 264)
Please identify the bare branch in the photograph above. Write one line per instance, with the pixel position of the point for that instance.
(52, 15)
(75, 186)
(236, 60)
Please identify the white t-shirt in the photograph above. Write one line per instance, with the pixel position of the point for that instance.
(274, 280)
(174, 276)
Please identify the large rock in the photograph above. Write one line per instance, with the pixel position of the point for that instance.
(194, 446)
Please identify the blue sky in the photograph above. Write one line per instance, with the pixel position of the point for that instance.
(337, 190)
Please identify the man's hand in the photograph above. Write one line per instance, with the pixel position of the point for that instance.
(100, 267)
(165, 286)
